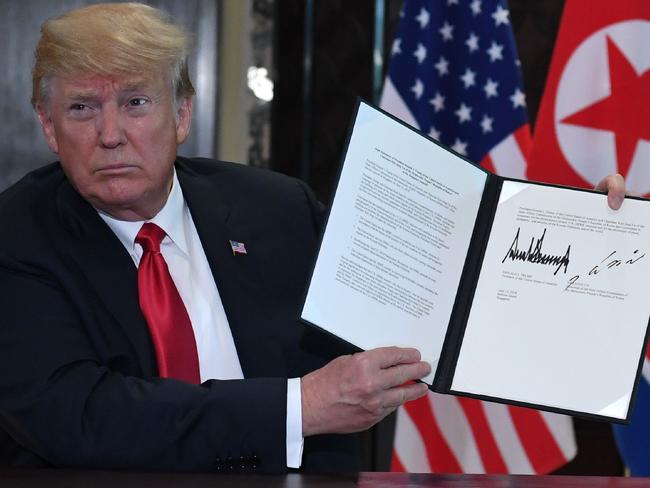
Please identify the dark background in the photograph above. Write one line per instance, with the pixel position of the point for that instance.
(343, 33)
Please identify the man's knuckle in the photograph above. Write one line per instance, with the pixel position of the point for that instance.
(402, 375)
(363, 362)
(373, 405)
(369, 385)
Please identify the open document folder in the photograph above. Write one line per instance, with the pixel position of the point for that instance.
(514, 291)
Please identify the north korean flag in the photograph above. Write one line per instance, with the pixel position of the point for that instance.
(595, 120)
(595, 113)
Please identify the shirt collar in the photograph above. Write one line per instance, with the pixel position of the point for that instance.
(170, 218)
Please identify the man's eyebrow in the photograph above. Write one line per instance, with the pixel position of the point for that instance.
(131, 86)
(82, 94)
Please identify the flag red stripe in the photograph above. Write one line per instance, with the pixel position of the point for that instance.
(396, 464)
(441, 458)
(537, 440)
(487, 163)
(485, 442)
(523, 138)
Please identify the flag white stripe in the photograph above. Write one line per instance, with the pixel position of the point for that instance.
(409, 446)
(508, 159)
(561, 428)
(507, 439)
(392, 102)
(457, 432)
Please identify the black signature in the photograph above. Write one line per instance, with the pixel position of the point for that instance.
(614, 262)
(534, 254)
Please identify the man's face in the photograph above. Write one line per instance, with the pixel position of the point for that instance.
(117, 140)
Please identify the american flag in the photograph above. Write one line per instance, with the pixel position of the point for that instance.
(454, 74)
(237, 247)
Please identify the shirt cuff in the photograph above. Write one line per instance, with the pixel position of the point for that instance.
(295, 440)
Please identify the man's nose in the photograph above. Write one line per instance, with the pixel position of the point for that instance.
(111, 131)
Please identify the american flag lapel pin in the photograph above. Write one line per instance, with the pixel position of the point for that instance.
(237, 247)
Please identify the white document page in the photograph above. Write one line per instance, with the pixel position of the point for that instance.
(396, 240)
(562, 305)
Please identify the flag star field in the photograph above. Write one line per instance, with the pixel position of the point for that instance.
(461, 51)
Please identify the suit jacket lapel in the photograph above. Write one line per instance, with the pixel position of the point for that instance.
(108, 268)
(214, 212)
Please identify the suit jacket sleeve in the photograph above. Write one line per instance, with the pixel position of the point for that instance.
(62, 403)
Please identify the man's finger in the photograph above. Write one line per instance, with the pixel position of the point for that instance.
(614, 185)
(398, 396)
(400, 374)
(390, 356)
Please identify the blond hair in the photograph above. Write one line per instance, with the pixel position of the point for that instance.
(111, 40)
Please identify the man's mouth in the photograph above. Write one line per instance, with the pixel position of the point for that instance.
(116, 168)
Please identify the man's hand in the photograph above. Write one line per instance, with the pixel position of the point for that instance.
(614, 185)
(352, 393)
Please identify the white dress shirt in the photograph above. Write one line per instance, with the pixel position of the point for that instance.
(191, 273)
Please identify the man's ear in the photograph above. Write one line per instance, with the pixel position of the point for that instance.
(183, 120)
(48, 127)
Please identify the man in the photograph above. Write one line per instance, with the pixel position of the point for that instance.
(149, 301)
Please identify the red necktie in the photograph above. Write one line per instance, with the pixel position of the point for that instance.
(164, 311)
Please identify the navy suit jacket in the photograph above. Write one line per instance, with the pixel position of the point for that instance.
(78, 376)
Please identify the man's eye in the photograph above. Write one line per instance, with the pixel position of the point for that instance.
(138, 102)
(77, 107)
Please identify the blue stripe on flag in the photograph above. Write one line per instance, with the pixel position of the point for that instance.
(634, 440)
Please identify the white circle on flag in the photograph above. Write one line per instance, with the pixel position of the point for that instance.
(586, 80)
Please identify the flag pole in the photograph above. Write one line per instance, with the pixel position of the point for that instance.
(378, 50)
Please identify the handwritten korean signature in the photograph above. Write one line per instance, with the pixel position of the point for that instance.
(610, 262)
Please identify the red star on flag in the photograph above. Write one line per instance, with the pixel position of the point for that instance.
(624, 112)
